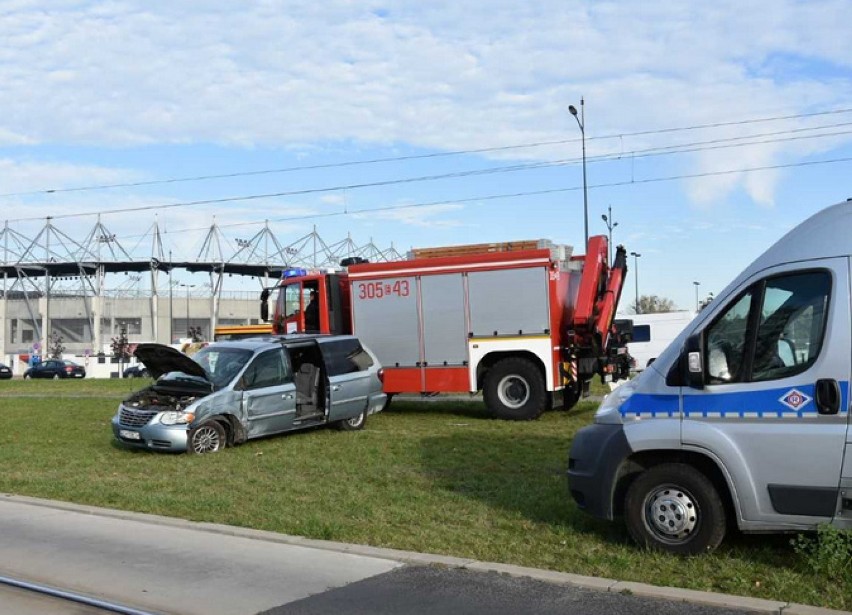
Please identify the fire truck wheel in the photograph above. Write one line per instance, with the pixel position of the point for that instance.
(569, 399)
(514, 390)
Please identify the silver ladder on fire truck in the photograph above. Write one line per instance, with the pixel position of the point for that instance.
(519, 321)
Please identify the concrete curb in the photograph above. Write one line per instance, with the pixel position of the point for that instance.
(753, 605)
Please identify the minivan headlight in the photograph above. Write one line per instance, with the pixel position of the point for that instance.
(176, 418)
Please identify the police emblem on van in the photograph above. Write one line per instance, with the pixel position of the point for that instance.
(795, 399)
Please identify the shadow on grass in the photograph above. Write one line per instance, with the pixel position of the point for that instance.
(473, 409)
(519, 473)
(526, 474)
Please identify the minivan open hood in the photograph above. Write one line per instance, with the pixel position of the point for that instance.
(161, 359)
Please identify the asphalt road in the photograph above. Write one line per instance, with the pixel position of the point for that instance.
(171, 566)
(422, 590)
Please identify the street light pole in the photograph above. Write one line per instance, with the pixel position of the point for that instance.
(609, 225)
(581, 122)
(697, 284)
(636, 256)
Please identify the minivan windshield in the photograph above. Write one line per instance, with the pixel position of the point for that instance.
(221, 363)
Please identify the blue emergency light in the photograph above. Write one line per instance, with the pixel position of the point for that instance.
(293, 273)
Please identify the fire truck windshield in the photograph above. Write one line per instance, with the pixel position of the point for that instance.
(291, 306)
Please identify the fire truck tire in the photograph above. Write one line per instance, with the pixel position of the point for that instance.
(514, 390)
(570, 397)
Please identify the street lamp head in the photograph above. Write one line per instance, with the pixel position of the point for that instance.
(697, 283)
(636, 254)
(573, 110)
(604, 218)
(614, 224)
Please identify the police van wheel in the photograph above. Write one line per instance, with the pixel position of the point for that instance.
(675, 508)
(514, 390)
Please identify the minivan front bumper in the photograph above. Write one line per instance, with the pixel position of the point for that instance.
(152, 436)
(596, 454)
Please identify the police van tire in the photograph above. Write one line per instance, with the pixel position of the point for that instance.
(673, 507)
(514, 390)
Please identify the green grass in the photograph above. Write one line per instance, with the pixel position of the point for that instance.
(432, 477)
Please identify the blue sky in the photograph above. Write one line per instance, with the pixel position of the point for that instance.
(120, 92)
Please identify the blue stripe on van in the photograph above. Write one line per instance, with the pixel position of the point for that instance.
(764, 403)
(651, 406)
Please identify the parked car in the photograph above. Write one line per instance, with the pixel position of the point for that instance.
(5, 372)
(230, 392)
(135, 371)
(55, 368)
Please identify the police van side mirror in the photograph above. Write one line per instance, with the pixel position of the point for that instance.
(693, 358)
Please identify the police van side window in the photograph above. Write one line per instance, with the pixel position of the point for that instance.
(780, 339)
(792, 324)
(726, 343)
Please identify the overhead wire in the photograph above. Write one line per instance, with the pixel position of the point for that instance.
(740, 141)
(421, 156)
(493, 197)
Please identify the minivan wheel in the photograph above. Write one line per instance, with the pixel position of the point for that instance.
(207, 438)
(353, 424)
(673, 507)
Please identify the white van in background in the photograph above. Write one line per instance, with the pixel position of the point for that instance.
(652, 333)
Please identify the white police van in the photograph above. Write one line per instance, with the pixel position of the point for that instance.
(745, 416)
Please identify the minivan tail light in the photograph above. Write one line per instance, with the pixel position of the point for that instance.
(69, 369)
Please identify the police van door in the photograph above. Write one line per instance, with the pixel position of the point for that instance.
(774, 406)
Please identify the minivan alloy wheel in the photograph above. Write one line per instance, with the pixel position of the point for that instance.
(207, 438)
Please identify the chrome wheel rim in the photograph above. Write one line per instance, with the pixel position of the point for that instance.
(206, 439)
(355, 421)
(672, 514)
(513, 391)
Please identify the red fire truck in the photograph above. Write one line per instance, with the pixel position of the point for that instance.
(517, 324)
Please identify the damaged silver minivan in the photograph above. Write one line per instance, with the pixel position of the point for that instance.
(229, 392)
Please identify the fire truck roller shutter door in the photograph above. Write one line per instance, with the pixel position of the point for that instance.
(444, 328)
(509, 302)
(385, 319)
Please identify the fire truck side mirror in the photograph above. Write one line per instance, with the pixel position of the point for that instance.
(264, 305)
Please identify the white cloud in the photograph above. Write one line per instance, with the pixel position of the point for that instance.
(424, 217)
(442, 75)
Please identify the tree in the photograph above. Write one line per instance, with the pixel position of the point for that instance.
(55, 348)
(652, 304)
(120, 348)
(195, 334)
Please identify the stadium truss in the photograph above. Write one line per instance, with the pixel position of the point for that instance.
(53, 263)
